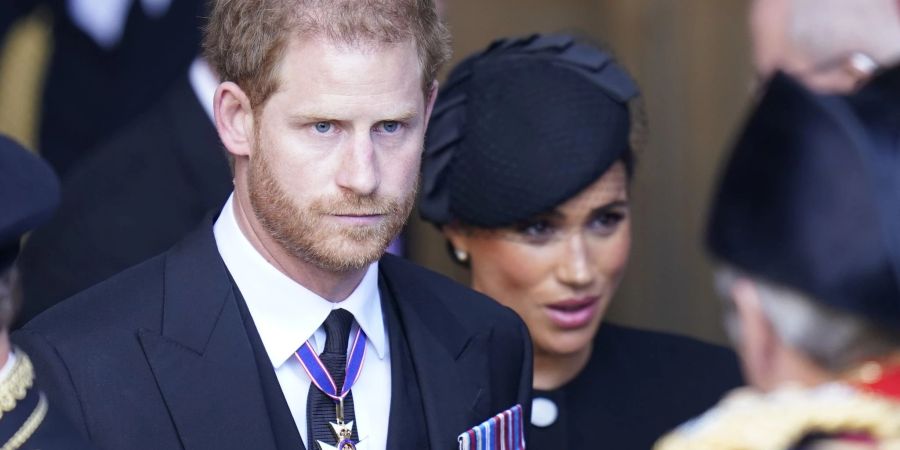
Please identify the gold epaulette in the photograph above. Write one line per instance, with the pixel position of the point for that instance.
(749, 420)
(12, 390)
(17, 384)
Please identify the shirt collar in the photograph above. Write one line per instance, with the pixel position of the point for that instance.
(8, 367)
(285, 313)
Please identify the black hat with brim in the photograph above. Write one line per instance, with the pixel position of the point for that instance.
(29, 193)
(809, 201)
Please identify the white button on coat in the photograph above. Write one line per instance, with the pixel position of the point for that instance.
(543, 412)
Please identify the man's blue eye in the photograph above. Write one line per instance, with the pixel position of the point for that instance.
(323, 127)
(390, 127)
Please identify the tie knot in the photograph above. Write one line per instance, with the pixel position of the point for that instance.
(337, 331)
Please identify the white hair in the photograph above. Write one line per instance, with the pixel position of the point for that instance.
(827, 30)
(833, 339)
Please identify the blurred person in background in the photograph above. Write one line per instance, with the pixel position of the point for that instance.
(527, 170)
(29, 192)
(111, 60)
(806, 229)
(830, 45)
(133, 197)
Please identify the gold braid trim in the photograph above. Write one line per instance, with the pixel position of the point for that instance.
(748, 420)
(29, 427)
(16, 385)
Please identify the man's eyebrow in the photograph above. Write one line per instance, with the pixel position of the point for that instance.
(404, 116)
(319, 116)
(309, 117)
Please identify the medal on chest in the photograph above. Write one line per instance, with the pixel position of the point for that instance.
(343, 432)
(322, 379)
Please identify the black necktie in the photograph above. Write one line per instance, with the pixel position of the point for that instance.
(320, 408)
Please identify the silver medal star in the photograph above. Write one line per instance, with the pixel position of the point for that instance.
(341, 431)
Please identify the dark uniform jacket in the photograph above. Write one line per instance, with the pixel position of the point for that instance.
(27, 419)
(158, 357)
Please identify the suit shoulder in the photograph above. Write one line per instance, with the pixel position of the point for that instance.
(463, 301)
(128, 300)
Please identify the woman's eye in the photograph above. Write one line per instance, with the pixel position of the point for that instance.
(535, 229)
(323, 127)
(607, 220)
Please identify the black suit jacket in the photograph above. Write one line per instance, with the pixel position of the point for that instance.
(142, 192)
(157, 357)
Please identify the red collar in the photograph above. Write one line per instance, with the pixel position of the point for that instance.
(879, 378)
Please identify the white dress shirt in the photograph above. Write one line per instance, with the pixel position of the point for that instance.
(287, 314)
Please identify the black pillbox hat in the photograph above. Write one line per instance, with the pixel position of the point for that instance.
(522, 127)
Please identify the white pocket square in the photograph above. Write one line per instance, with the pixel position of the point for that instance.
(501, 432)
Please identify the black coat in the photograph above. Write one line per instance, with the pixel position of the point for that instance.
(637, 386)
(136, 197)
(157, 357)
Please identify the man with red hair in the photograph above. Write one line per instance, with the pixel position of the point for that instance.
(282, 324)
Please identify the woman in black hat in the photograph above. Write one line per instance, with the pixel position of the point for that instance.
(528, 161)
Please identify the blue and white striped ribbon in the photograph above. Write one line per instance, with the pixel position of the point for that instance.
(501, 432)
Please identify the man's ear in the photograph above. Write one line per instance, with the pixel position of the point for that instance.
(429, 102)
(759, 344)
(234, 119)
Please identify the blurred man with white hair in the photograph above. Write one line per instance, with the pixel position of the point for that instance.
(804, 227)
(831, 46)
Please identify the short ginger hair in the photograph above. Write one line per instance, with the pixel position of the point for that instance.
(245, 40)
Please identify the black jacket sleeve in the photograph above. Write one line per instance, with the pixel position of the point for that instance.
(53, 377)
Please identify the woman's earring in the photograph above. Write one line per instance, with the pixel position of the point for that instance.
(461, 255)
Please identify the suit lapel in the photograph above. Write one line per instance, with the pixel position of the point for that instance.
(449, 359)
(202, 360)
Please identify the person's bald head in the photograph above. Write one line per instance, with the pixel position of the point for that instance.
(831, 45)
